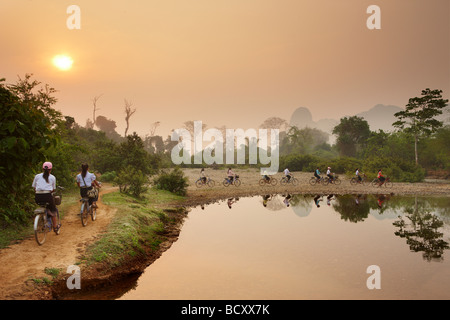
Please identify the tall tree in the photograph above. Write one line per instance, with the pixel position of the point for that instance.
(352, 134)
(94, 111)
(129, 111)
(275, 123)
(419, 117)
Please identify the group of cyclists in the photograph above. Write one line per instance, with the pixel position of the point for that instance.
(44, 185)
(231, 175)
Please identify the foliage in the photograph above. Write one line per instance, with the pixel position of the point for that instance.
(108, 176)
(419, 117)
(132, 181)
(173, 181)
(352, 133)
(28, 126)
(302, 141)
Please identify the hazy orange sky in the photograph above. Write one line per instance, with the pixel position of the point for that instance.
(233, 63)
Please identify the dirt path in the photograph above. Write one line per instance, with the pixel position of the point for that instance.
(22, 262)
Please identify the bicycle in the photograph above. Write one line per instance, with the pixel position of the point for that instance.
(377, 183)
(335, 180)
(88, 210)
(314, 180)
(236, 182)
(284, 181)
(355, 180)
(202, 182)
(271, 181)
(43, 223)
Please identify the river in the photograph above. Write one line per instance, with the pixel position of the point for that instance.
(306, 247)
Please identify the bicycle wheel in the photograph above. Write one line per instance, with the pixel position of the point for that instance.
(40, 229)
(84, 214)
(273, 181)
(313, 181)
(388, 184)
(326, 181)
(337, 181)
(353, 181)
(294, 181)
(237, 182)
(374, 183)
(58, 221)
(199, 183)
(93, 213)
(211, 183)
(283, 181)
(226, 182)
(262, 182)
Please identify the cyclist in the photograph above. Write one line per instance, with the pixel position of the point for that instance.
(203, 175)
(317, 174)
(380, 177)
(357, 175)
(266, 176)
(85, 181)
(44, 185)
(230, 175)
(329, 175)
(287, 174)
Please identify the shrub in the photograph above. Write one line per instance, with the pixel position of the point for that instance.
(108, 176)
(173, 181)
(132, 181)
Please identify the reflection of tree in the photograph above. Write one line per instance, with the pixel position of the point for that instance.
(422, 233)
(352, 208)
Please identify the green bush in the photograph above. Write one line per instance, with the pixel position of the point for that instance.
(173, 181)
(108, 176)
(399, 170)
(132, 181)
(297, 162)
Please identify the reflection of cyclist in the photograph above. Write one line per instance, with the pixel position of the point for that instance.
(85, 181)
(231, 201)
(317, 174)
(317, 199)
(329, 198)
(380, 200)
(44, 184)
(266, 199)
(287, 200)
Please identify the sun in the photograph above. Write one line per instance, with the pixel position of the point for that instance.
(62, 62)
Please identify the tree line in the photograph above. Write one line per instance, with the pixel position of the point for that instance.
(32, 131)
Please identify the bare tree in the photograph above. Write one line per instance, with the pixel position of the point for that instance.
(128, 113)
(153, 128)
(94, 102)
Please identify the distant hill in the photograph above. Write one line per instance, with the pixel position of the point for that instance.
(380, 117)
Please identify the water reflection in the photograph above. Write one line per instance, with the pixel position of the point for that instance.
(419, 220)
(306, 246)
(420, 229)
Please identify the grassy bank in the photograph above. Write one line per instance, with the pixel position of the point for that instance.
(15, 233)
(138, 227)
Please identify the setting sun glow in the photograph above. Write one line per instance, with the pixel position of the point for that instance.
(63, 62)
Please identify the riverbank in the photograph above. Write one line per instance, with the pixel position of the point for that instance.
(130, 234)
(250, 187)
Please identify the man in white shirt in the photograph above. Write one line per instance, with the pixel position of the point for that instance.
(287, 174)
